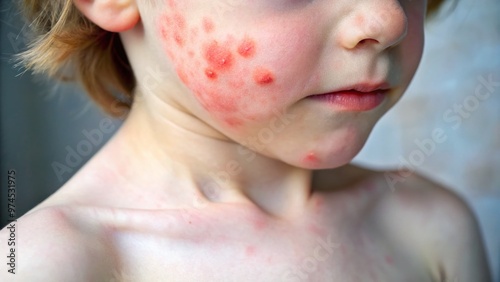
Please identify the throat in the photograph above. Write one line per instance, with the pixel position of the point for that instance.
(186, 168)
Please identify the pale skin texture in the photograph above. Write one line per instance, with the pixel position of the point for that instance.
(175, 197)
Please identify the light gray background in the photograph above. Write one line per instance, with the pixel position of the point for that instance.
(39, 121)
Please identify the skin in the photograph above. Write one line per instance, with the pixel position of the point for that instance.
(203, 181)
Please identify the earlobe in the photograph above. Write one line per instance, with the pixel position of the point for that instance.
(110, 15)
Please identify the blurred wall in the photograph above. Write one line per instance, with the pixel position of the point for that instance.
(42, 124)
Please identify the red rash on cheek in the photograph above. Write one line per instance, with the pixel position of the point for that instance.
(219, 72)
(263, 76)
(179, 21)
(218, 57)
(211, 74)
(180, 26)
(247, 48)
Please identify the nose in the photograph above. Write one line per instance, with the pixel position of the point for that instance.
(380, 24)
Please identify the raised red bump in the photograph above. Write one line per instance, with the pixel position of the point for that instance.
(247, 48)
(211, 74)
(263, 76)
(218, 57)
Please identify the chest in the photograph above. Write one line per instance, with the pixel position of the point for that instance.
(289, 257)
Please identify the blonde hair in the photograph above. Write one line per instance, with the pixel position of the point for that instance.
(66, 40)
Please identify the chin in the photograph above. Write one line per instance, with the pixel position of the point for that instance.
(327, 154)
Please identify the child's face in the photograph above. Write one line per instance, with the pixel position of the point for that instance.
(249, 68)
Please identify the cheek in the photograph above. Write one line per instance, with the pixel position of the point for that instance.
(414, 43)
(236, 78)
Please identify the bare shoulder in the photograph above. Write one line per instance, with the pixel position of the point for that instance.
(49, 246)
(438, 223)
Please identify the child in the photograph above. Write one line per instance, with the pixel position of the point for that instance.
(233, 161)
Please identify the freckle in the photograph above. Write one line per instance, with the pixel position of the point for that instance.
(219, 57)
(208, 25)
(246, 48)
(250, 250)
(211, 74)
(389, 260)
(263, 76)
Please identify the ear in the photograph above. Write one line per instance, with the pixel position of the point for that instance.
(110, 15)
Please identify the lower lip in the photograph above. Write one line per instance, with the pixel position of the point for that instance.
(353, 100)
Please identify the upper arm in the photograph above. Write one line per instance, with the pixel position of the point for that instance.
(439, 228)
(454, 240)
(49, 248)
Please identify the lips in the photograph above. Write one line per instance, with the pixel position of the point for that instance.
(359, 97)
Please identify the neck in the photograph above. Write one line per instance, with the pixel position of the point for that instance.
(178, 150)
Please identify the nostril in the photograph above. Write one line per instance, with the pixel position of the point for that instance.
(367, 41)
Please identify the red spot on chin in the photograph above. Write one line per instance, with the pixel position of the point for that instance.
(211, 74)
(263, 76)
(247, 48)
(389, 260)
(208, 25)
(311, 158)
(218, 57)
